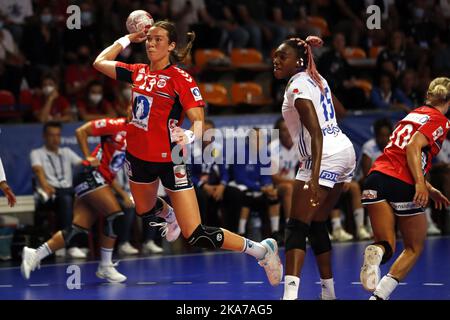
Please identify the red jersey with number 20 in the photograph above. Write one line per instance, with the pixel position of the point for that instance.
(111, 150)
(160, 99)
(426, 120)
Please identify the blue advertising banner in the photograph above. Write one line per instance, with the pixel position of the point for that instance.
(17, 141)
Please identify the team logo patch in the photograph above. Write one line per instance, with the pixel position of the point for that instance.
(196, 93)
(117, 161)
(161, 83)
(328, 175)
(100, 123)
(438, 133)
(369, 195)
(417, 118)
(180, 175)
(141, 111)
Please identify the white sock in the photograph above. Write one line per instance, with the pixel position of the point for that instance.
(336, 223)
(327, 289)
(169, 216)
(428, 215)
(106, 256)
(242, 224)
(358, 214)
(255, 249)
(43, 251)
(385, 287)
(275, 223)
(291, 285)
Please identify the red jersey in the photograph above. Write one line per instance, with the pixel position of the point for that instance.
(426, 120)
(160, 99)
(111, 150)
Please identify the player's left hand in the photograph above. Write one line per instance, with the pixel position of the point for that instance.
(440, 201)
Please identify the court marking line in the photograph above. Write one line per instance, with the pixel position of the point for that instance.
(218, 282)
(432, 284)
(253, 282)
(39, 284)
(182, 282)
(6, 285)
(146, 282)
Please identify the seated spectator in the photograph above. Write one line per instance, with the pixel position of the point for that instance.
(219, 202)
(334, 67)
(385, 96)
(392, 60)
(49, 104)
(260, 194)
(95, 106)
(372, 149)
(53, 169)
(338, 232)
(122, 99)
(284, 162)
(409, 87)
(79, 74)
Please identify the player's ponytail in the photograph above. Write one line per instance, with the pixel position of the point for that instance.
(304, 51)
(180, 55)
(438, 91)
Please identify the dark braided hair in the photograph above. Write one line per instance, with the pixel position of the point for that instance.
(304, 51)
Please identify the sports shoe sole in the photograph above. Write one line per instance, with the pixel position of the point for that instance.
(101, 276)
(370, 271)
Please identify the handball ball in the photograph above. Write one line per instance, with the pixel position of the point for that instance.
(139, 20)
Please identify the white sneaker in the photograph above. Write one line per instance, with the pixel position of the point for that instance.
(30, 262)
(170, 230)
(76, 253)
(271, 262)
(370, 271)
(60, 252)
(127, 249)
(152, 247)
(433, 230)
(341, 235)
(109, 273)
(363, 234)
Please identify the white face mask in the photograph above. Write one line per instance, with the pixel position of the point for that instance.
(95, 97)
(127, 93)
(48, 89)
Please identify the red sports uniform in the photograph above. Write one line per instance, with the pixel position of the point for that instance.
(160, 99)
(428, 121)
(111, 150)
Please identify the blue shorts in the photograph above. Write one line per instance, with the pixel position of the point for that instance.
(379, 187)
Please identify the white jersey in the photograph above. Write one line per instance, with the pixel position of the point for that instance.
(302, 86)
(284, 161)
(371, 149)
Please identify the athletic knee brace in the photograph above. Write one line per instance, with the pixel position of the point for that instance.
(111, 225)
(71, 232)
(159, 205)
(319, 238)
(206, 237)
(296, 233)
(387, 251)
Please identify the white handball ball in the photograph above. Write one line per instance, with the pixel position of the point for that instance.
(139, 20)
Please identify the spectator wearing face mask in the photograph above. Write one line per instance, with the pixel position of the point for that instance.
(94, 106)
(50, 105)
(122, 99)
(80, 74)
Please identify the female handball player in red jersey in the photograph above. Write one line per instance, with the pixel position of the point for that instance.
(396, 188)
(162, 94)
(93, 184)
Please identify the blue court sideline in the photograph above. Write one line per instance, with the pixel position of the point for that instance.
(224, 275)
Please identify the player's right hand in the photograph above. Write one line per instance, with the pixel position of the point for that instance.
(138, 37)
(421, 195)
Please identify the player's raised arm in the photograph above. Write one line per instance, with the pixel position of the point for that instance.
(105, 61)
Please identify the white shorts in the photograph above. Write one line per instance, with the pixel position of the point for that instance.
(334, 169)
